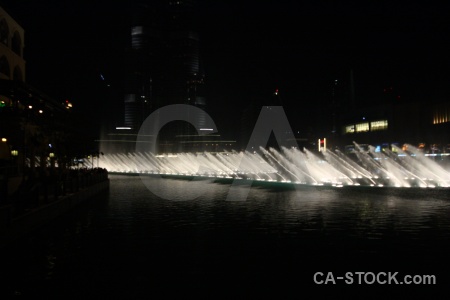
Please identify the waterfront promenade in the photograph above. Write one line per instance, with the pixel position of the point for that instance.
(43, 195)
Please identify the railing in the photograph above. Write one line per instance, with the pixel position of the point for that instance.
(41, 188)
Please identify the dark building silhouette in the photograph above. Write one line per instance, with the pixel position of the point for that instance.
(386, 117)
(162, 67)
(163, 59)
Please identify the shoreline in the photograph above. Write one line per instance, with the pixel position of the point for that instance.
(13, 228)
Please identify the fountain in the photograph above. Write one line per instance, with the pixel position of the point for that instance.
(364, 167)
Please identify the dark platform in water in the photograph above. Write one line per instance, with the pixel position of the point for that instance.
(440, 192)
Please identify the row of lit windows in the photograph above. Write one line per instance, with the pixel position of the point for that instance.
(379, 125)
(367, 126)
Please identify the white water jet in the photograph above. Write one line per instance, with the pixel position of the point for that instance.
(367, 167)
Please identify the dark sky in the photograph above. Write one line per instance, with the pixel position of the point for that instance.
(250, 48)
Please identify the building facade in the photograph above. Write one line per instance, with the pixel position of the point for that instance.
(385, 123)
(36, 131)
(12, 63)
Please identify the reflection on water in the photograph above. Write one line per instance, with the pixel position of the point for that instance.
(136, 242)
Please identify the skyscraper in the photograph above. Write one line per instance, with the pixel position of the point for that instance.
(163, 60)
(163, 66)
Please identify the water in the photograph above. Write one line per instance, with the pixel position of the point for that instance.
(132, 243)
(363, 167)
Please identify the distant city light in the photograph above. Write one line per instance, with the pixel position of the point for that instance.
(206, 129)
(322, 145)
(41, 111)
(30, 107)
(123, 128)
(67, 104)
(4, 140)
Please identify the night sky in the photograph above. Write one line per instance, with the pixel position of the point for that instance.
(249, 49)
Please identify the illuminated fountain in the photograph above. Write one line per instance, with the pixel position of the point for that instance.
(364, 167)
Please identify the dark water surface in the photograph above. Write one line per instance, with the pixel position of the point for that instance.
(131, 243)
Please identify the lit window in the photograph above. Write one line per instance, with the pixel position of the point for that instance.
(350, 129)
(379, 125)
(362, 127)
